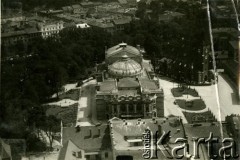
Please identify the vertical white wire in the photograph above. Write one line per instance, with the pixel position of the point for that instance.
(214, 67)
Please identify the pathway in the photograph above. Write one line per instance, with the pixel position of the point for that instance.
(169, 107)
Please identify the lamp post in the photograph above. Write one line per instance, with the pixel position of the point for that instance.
(192, 73)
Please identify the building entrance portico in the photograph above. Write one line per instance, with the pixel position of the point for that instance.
(129, 110)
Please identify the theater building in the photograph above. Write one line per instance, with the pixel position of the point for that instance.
(126, 87)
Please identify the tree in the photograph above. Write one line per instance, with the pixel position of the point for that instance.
(50, 125)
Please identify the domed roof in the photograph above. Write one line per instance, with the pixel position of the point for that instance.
(125, 67)
(122, 47)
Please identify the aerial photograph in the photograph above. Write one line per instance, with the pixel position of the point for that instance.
(120, 80)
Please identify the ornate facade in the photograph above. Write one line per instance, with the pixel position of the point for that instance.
(125, 86)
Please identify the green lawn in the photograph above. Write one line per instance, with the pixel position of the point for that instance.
(197, 104)
(179, 92)
(200, 117)
(68, 115)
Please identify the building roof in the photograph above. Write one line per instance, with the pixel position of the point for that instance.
(101, 24)
(132, 1)
(86, 3)
(122, 47)
(76, 6)
(18, 147)
(67, 8)
(236, 122)
(89, 138)
(203, 130)
(174, 14)
(5, 150)
(69, 25)
(66, 151)
(227, 30)
(82, 25)
(108, 85)
(122, 1)
(128, 92)
(231, 66)
(148, 84)
(125, 67)
(235, 44)
(121, 130)
(127, 83)
(19, 33)
(121, 21)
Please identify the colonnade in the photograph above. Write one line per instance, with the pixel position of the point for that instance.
(130, 108)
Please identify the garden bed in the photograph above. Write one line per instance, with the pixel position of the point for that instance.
(193, 105)
(200, 117)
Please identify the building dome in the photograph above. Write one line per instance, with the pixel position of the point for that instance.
(125, 67)
(122, 48)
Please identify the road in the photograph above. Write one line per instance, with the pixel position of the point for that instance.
(86, 105)
(228, 97)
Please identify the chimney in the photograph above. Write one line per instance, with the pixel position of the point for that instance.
(105, 52)
(90, 132)
(78, 129)
(154, 120)
(138, 47)
(180, 120)
(159, 129)
(99, 132)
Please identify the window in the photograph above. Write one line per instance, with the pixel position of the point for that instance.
(135, 144)
(97, 157)
(74, 154)
(87, 156)
(106, 154)
(79, 154)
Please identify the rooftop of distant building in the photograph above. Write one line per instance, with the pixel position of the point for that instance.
(88, 138)
(126, 131)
